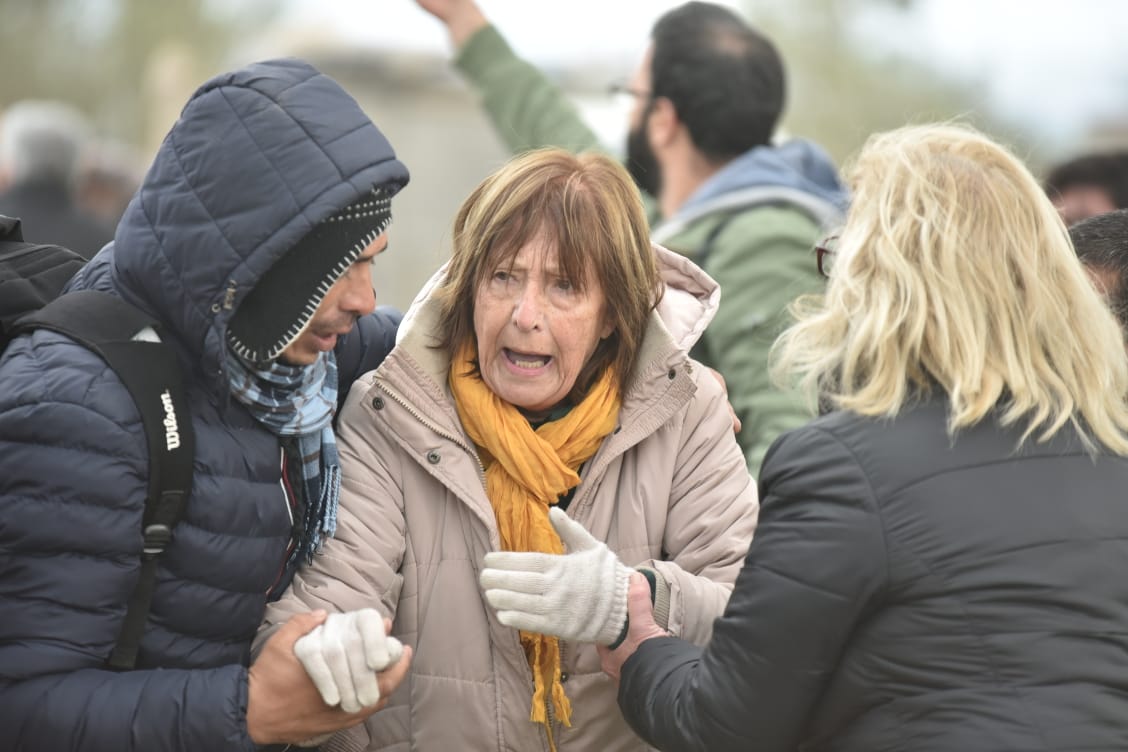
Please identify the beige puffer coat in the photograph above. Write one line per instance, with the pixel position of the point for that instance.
(668, 489)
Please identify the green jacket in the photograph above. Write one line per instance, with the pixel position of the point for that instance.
(760, 254)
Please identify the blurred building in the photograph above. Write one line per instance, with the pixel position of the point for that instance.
(448, 144)
(438, 130)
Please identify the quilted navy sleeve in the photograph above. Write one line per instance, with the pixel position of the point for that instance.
(72, 487)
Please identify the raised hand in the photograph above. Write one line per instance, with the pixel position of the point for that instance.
(461, 17)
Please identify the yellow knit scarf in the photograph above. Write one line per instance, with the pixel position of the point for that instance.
(526, 471)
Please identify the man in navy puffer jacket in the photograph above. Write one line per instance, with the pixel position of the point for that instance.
(250, 242)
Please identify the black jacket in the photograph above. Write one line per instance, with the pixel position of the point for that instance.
(909, 592)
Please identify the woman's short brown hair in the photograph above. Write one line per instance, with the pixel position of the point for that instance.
(588, 209)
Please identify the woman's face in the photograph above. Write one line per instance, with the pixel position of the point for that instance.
(535, 330)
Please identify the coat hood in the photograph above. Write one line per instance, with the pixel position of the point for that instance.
(797, 173)
(798, 164)
(690, 300)
(258, 157)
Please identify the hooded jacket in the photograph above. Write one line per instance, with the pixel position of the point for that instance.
(752, 227)
(257, 158)
(668, 489)
(797, 173)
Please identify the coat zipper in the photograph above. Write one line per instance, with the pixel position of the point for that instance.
(402, 402)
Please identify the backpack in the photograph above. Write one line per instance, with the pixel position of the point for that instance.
(32, 277)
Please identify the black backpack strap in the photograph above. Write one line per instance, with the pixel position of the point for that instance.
(31, 275)
(151, 373)
(10, 229)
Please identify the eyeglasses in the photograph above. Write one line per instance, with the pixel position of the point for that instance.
(621, 89)
(824, 254)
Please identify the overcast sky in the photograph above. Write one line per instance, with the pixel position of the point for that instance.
(548, 31)
(1052, 65)
(1047, 63)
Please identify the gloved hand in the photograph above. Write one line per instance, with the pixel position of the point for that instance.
(343, 655)
(581, 595)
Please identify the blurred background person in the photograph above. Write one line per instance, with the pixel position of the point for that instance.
(1088, 185)
(940, 560)
(1101, 242)
(108, 176)
(537, 371)
(707, 98)
(41, 146)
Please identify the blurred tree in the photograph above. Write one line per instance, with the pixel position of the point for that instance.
(843, 86)
(97, 53)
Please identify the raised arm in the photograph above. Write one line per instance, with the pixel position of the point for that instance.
(527, 109)
(462, 18)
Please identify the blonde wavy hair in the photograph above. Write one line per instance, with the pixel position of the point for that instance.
(953, 271)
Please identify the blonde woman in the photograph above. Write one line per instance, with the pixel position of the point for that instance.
(940, 562)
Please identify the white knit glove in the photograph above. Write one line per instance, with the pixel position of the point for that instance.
(580, 596)
(343, 654)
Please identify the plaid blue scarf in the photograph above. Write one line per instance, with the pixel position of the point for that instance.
(299, 401)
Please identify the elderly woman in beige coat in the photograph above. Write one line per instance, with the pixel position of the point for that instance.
(540, 401)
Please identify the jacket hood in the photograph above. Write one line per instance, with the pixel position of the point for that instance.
(258, 157)
(798, 164)
(690, 300)
(797, 173)
(688, 305)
